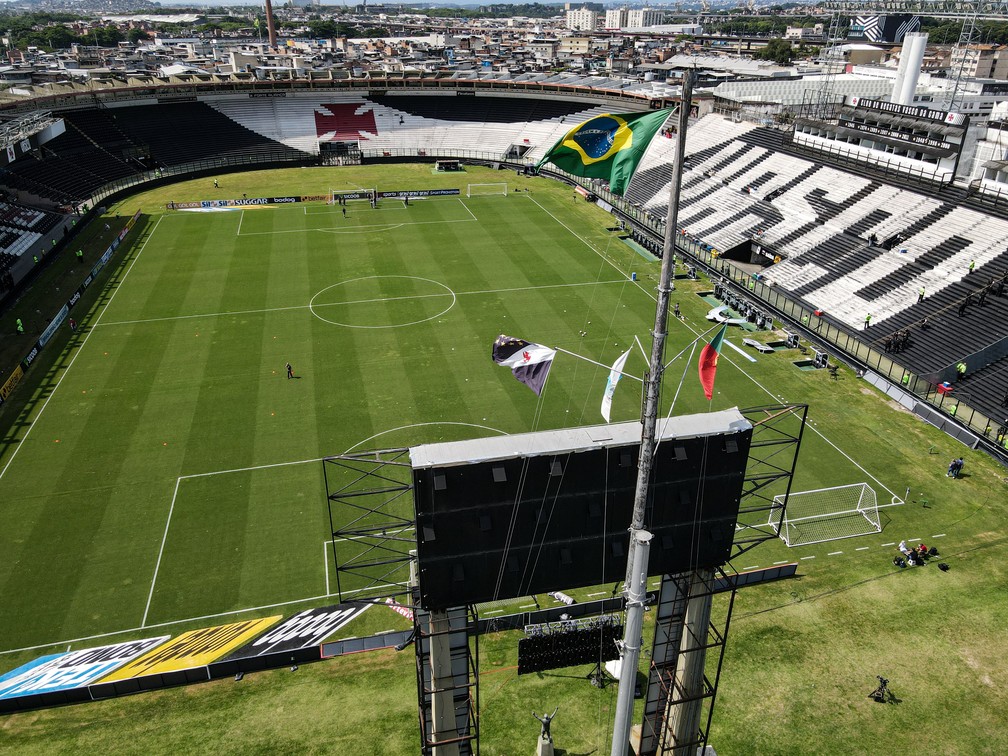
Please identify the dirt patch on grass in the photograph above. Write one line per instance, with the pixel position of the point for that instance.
(892, 403)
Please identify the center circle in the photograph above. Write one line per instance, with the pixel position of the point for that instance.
(382, 301)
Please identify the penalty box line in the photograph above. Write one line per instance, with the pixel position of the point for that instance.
(171, 511)
(179, 480)
(386, 226)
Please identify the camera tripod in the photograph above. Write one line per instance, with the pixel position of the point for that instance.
(881, 693)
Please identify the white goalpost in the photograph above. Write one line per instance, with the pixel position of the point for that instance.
(482, 190)
(826, 514)
(335, 194)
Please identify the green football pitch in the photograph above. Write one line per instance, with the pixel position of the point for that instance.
(174, 472)
(165, 473)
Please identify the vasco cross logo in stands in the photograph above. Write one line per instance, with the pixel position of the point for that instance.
(342, 122)
(599, 138)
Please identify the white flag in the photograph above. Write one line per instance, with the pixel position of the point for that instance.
(610, 388)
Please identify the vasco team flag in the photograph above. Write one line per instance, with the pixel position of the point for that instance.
(610, 388)
(708, 362)
(530, 363)
(608, 146)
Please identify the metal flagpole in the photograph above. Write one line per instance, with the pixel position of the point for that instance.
(652, 388)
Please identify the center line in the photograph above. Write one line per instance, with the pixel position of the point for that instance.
(353, 302)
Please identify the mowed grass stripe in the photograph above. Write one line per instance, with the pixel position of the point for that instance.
(69, 526)
(231, 375)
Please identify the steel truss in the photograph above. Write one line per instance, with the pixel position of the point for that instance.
(674, 641)
(447, 668)
(985, 10)
(773, 456)
(372, 522)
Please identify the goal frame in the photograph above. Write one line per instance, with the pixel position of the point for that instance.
(331, 200)
(790, 528)
(499, 184)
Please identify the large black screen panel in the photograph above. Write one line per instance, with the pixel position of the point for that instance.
(501, 518)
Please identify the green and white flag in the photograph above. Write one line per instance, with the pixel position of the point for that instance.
(608, 146)
(610, 388)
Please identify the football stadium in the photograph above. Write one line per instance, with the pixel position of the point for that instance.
(272, 477)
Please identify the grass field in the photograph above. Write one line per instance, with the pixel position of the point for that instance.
(163, 471)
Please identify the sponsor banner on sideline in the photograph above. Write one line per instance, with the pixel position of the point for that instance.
(55, 323)
(73, 669)
(11, 383)
(303, 630)
(243, 202)
(62, 314)
(420, 193)
(197, 648)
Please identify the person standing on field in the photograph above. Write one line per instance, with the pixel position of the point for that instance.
(290, 371)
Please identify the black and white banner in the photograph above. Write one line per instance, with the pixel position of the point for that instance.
(303, 630)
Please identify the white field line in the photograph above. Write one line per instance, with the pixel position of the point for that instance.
(80, 349)
(249, 469)
(359, 301)
(240, 219)
(364, 228)
(834, 553)
(319, 459)
(808, 557)
(157, 566)
(777, 563)
(728, 359)
(940, 535)
(467, 209)
(190, 619)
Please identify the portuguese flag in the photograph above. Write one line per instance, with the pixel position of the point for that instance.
(608, 146)
(708, 363)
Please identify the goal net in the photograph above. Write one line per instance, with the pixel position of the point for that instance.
(335, 195)
(826, 514)
(478, 190)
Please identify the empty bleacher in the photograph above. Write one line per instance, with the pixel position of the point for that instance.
(181, 133)
(396, 124)
(850, 244)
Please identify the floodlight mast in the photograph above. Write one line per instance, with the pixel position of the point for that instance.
(652, 389)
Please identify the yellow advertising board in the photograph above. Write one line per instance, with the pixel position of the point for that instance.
(197, 648)
(13, 381)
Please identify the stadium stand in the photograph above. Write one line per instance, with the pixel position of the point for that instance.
(409, 125)
(208, 134)
(848, 245)
(100, 146)
(69, 167)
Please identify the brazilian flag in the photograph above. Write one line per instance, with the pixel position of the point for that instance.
(608, 146)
